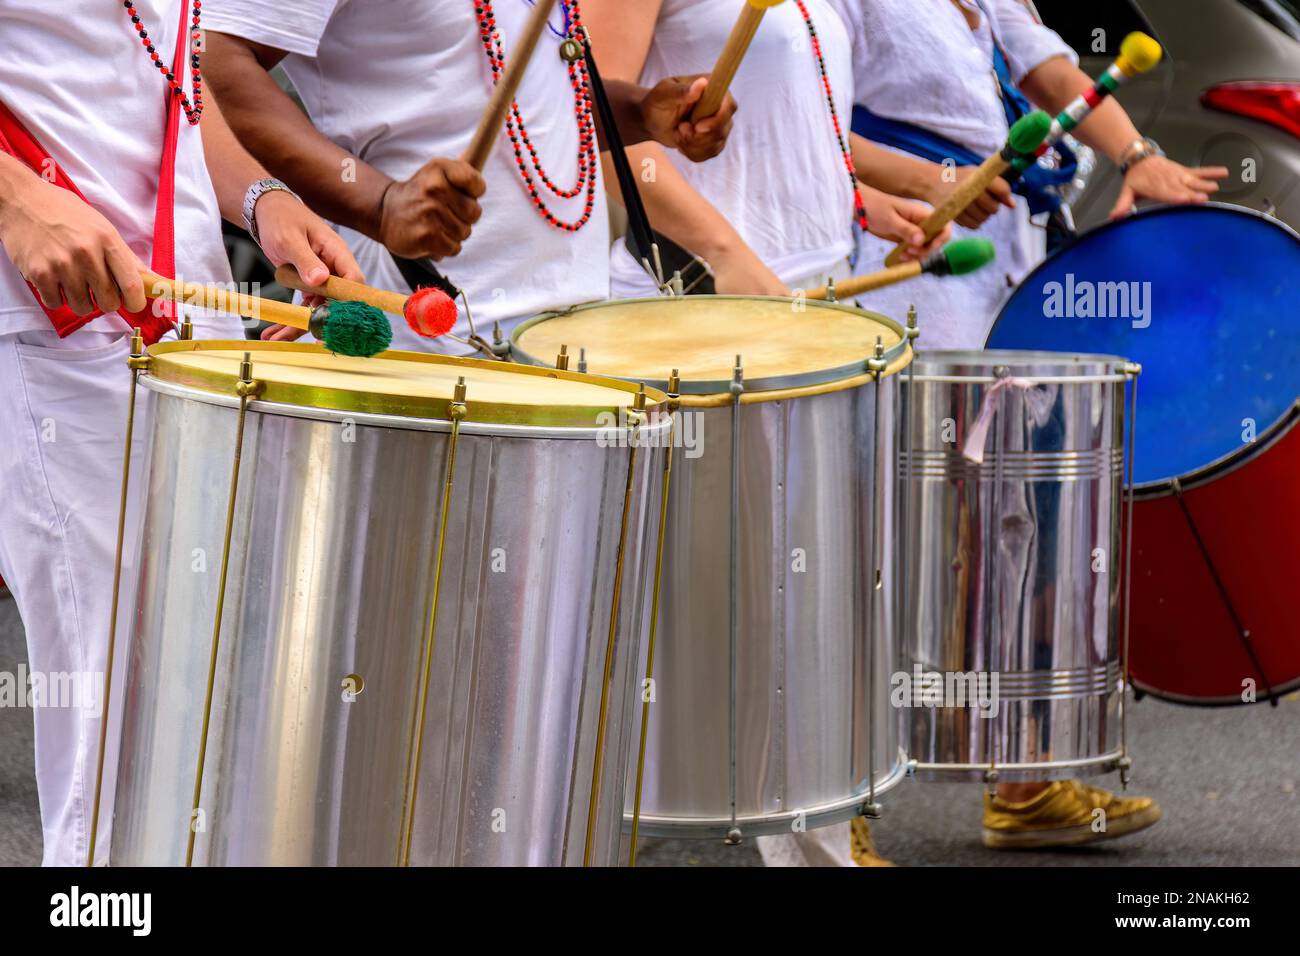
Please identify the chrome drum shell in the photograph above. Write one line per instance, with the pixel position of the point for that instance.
(326, 608)
(1012, 566)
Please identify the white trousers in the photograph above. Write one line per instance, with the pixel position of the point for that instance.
(63, 405)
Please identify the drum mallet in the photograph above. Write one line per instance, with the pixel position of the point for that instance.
(724, 71)
(348, 328)
(957, 258)
(1026, 135)
(1138, 53)
(428, 311)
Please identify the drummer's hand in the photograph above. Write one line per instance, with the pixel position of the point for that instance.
(666, 114)
(743, 273)
(281, 333)
(1163, 180)
(432, 213)
(899, 220)
(64, 248)
(292, 234)
(987, 204)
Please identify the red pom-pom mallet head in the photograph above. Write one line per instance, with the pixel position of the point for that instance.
(430, 312)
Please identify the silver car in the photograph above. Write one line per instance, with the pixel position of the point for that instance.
(1227, 94)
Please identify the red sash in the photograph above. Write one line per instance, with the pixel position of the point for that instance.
(158, 317)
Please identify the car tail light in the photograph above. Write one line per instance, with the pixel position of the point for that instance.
(1275, 103)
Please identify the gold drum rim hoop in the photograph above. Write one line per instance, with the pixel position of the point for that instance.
(587, 399)
(760, 386)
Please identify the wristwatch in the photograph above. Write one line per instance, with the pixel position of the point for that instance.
(1138, 150)
(256, 192)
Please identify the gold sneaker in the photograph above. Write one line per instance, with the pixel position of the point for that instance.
(1064, 815)
(861, 847)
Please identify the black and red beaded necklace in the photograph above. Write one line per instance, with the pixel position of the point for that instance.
(859, 210)
(588, 151)
(193, 111)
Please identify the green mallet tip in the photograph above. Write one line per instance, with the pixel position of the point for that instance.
(1029, 132)
(354, 328)
(967, 255)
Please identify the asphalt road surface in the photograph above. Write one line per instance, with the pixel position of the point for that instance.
(1226, 778)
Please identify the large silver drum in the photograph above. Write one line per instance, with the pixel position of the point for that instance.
(767, 704)
(318, 729)
(1012, 474)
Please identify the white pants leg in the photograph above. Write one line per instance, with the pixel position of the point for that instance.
(825, 846)
(63, 407)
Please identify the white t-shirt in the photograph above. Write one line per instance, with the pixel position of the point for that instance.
(77, 76)
(919, 61)
(400, 82)
(781, 181)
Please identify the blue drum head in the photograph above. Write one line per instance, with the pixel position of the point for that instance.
(1205, 298)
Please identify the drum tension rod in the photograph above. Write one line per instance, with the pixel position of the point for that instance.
(1243, 632)
(737, 389)
(562, 360)
(674, 389)
(137, 362)
(877, 366)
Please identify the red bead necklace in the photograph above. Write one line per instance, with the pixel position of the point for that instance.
(588, 151)
(193, 111)
(859, 210)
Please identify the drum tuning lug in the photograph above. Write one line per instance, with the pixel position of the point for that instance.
(911, 768)
(1125, 765)
(582, 360)
(674, 384)
(991, 777)
(138, 361)
(456, 410)
(247, 387)
(562, 360)
(1001, 371)
(738, 378)
(830, 290)
(872, 811)
(877, 361)
(497, 338)
(913, 332)
(639, 400)
(734, 837)
(1133, 369)
(187, 330)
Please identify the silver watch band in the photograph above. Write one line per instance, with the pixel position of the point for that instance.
(256, 192)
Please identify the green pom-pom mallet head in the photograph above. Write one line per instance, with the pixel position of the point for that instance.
(960, 257)
(351, 328)
(1028, 132)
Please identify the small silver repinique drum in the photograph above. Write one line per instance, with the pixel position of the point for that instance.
(766, 692)
(1011, 493)
(407, 633)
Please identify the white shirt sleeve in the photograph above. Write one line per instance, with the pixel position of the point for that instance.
(295, 26)
(1027, 43)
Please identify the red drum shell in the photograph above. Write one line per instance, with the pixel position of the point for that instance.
(1184, 645)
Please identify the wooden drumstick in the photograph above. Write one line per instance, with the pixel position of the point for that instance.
(428, 311)
(489, 126)
(1025, 137)
(349, 328)
(955, 259)
(724, 71)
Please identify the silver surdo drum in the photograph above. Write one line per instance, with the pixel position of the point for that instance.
(415, 644)
(1011, 469)
(764, 684)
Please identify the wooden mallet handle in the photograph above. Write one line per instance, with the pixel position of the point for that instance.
(724, 71)
(224, 300)
(965, 194)
(336, 288)
(489, 126)
(867, 283)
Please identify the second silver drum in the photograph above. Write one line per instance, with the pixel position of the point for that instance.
(773, 653)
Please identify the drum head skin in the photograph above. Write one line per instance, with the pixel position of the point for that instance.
(405, 384)
(782, 343)
(1205, 298)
